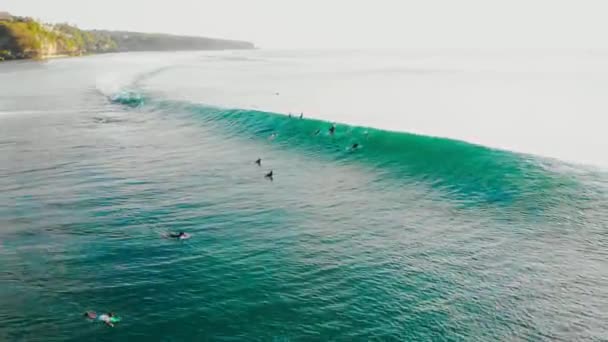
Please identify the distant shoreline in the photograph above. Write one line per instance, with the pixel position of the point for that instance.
(63, 56)
(24, 38)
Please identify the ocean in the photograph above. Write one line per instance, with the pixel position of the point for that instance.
(462, 197)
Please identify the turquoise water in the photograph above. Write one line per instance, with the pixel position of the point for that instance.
(408, 237)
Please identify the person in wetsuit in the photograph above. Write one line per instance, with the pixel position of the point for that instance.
(269, 175)
(332, 129)
(106, 318)
(177, 235)
(259, 161)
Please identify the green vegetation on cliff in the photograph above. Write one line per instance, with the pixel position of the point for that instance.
(22, 38)
(25, 38)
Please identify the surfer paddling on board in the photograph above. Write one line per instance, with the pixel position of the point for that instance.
(259, 161)
(177, 235)
(108, 318)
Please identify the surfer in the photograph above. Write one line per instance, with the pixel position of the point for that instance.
(176, 236)
(179, 235)
(107, 318)
(332, 129)
(269, 175)
(259, 161)
(302, 115)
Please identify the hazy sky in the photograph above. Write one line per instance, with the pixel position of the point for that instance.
(345, 23)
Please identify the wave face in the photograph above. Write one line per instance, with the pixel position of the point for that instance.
(471, 173)
(406, 237)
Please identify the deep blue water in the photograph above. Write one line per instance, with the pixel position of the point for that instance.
(407, 237)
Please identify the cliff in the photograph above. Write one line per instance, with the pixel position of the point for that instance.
(22, 38)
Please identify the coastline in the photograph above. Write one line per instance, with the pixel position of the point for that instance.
(57, 56)
(43, 58)
(23, 38)
(62, 56)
